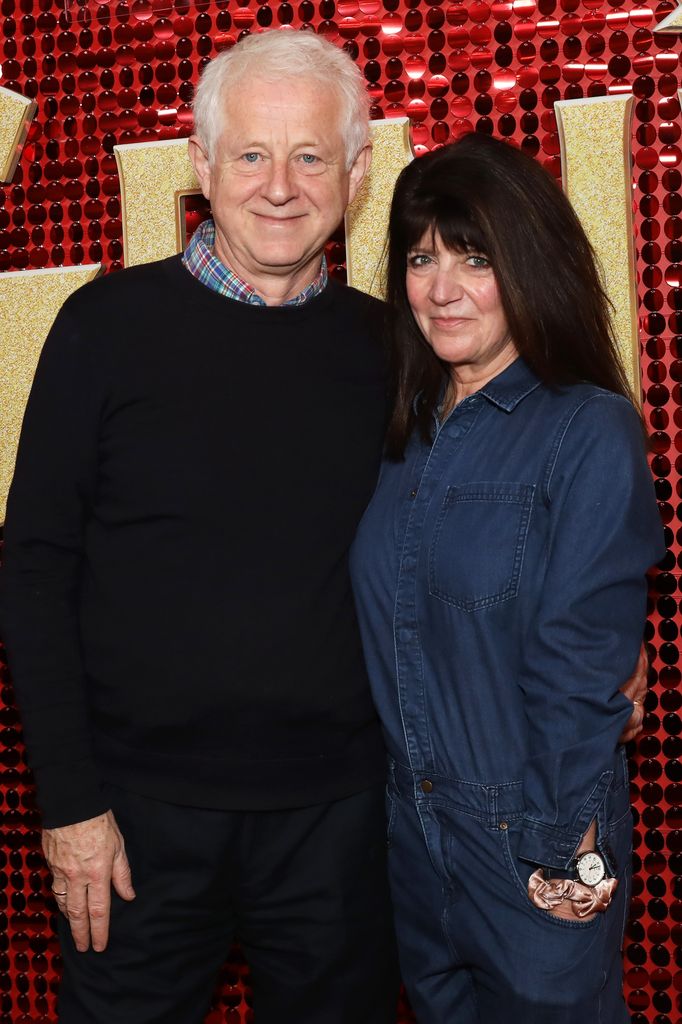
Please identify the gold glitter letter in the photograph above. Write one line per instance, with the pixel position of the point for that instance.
(29, 302)
(16, 112)
(367, 218)
(595, 165)
(155, 176)
(673, 23)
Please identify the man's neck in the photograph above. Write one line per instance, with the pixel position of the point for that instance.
(274, 289)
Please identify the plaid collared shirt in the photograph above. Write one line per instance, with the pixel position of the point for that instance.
(207, 268)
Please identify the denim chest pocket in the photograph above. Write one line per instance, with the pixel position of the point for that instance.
(476, 551)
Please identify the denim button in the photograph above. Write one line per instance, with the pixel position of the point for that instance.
(426, 786)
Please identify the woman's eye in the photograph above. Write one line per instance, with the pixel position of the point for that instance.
(476, 260)
(418, 259)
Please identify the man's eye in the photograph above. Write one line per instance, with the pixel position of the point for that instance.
(251, 158)
(308, 158)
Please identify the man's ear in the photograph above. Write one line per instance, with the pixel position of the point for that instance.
(201, 164)
(359, 170)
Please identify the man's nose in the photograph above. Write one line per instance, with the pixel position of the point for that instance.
(279, 185)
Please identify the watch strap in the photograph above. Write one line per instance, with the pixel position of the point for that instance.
(572, 871)
(550, 873)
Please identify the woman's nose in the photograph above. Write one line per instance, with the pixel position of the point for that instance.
(446, 287)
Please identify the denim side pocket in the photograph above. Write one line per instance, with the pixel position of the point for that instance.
(519, 872)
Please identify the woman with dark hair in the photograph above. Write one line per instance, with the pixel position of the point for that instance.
(500, 581)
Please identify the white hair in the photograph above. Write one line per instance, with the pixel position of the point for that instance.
(276, 56)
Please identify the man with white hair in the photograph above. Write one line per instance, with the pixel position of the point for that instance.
(200, 442)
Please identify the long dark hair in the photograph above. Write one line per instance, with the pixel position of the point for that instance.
(484, 195)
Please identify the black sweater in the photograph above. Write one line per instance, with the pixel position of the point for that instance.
(175, 595)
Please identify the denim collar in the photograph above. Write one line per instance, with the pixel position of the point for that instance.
(505, 391)
(511, 386)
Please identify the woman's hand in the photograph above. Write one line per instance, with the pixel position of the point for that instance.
(635, 690)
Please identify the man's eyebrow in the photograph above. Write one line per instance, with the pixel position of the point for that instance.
(241, 145)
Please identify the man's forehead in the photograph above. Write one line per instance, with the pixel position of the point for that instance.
(301, 100)
(302, 112)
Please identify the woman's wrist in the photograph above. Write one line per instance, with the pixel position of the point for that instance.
(589, 840)
(577, 896)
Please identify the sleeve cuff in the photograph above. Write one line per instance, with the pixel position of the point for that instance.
(68, 793)
(554, 846)
(546, 845)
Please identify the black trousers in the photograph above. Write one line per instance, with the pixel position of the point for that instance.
(305, 892)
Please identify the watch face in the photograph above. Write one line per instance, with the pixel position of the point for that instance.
(590, 868)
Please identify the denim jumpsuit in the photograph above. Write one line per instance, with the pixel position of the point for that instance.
(499, 575)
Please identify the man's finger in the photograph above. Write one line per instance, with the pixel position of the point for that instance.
(121, 876)
(61, 904)
(99, 906)
(77, 912)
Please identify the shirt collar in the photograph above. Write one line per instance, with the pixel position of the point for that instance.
(201, 262)
(511, 386)
(506, 390)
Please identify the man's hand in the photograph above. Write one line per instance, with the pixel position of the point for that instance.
(86, 859)
(635, 690)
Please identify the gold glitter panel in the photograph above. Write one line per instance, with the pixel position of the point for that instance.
(595, 165)
(16, 112)
(367, 218)
(155, 177)
(29, 303)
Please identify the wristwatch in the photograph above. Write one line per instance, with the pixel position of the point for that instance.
(588, 867)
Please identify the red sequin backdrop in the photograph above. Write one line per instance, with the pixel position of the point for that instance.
(110, 72)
